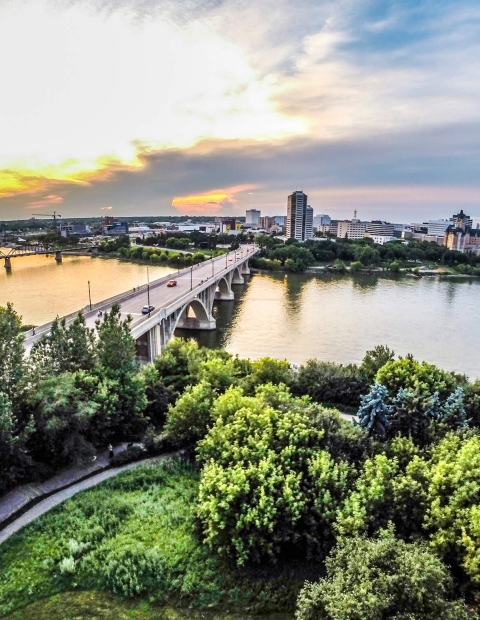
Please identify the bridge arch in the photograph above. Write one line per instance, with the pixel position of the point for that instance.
(201, 319)
(224, 289)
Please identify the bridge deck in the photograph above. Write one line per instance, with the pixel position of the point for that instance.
(161, 296)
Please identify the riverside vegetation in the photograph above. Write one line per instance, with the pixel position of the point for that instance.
(278, 503)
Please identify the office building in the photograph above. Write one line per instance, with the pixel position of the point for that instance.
(438, 227)
(299, 223)
(252, 217)
(322, 219)
(461, 236)
(352, 229)
(379, 228)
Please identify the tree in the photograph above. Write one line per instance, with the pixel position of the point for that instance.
(190, 418)
(453, 516)
(380, 579)
(62, 410)
(373, 413)
(330, 383)
(267, 370)
(375, 359)
(419, 377)
(65, 349)
(265, 485)
(366, 255)
(12, 367)
(117, 369)
(15, 464)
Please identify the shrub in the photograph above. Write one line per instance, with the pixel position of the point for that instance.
(419, 377)
(379, 579)
(330, 383)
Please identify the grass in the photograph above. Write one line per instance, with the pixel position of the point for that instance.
(134, 537)
(103, 606)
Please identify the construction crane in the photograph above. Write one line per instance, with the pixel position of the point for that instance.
(54, 215)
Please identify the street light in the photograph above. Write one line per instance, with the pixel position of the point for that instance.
(191, 277)
(213, 267)
(89, 295)
(148, 292)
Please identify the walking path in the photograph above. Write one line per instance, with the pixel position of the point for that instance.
(18, 499)
(57, 498)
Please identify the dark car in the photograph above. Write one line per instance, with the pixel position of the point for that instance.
(147, 309)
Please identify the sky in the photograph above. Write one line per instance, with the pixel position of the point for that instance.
(167, 107)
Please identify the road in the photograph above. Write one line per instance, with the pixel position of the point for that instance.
(159, 294)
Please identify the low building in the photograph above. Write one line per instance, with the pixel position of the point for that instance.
(252, 216)
(438, 227)
(382, 239)
(351, 229)
(74, 230)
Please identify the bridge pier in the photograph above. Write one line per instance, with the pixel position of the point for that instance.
(237, 277)
(8, 262)
(224, 288)
(58, 256)
(245, 269)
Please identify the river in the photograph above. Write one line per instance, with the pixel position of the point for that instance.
(296, 317)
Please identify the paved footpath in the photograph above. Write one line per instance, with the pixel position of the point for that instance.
(56, 499)
(20, 497)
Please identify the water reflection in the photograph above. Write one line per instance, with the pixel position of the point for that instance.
(338, 318)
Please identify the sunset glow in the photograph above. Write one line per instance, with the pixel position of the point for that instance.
(98, 96)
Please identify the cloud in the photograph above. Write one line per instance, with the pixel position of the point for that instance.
(212, 202)
(51, 199)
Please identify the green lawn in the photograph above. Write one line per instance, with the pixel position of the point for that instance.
(132, 536)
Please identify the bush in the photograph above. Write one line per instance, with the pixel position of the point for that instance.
(129, 455)
(380, 579)
(265, 484)
(330, 383)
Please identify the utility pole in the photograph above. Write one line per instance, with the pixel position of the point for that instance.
(89, 295)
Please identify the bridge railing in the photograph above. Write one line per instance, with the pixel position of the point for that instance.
(143, 287)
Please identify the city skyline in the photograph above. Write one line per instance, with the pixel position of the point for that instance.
(152, 107)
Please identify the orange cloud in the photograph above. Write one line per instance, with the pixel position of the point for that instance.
(51, 199)
(211, 202)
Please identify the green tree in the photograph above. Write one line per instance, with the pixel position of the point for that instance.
(418, 377)
(12, 368)
(453, 516)
(62, 411)
(381, 579)
(366, 255)
(15, 464)
(66, 348)
(267, 370)
(116, 368)
(264, 482)
(375, 359)
(189, 419)
(330, 383)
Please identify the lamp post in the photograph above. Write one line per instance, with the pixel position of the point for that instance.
(213, 267)
(191, 277)
(89, 295)
(148, 292)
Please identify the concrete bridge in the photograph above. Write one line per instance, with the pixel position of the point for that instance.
(188, 305)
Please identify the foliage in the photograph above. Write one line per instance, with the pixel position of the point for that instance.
(418, 377)
(375, 359)
(391, 487)
(330, 383)
(453, 516)
(61, 415)
(12, 368)
(373, 413)
(262, 475)
(189, 419)
(64, 349)
(266, 370)
(378, 579)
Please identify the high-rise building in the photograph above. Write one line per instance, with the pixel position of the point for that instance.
(299, 217)
(252, 217)
(376, 227)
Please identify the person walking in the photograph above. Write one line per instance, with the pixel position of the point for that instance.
(110, 451)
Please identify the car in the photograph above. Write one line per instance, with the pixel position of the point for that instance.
(230, 259)
(172, 283)
(147, 309)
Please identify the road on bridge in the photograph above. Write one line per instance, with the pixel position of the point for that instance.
(160, 294)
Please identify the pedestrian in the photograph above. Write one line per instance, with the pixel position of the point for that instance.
(33, 331)
(100, 313)
(110, 451)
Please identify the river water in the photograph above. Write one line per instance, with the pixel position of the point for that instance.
(296, 317)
